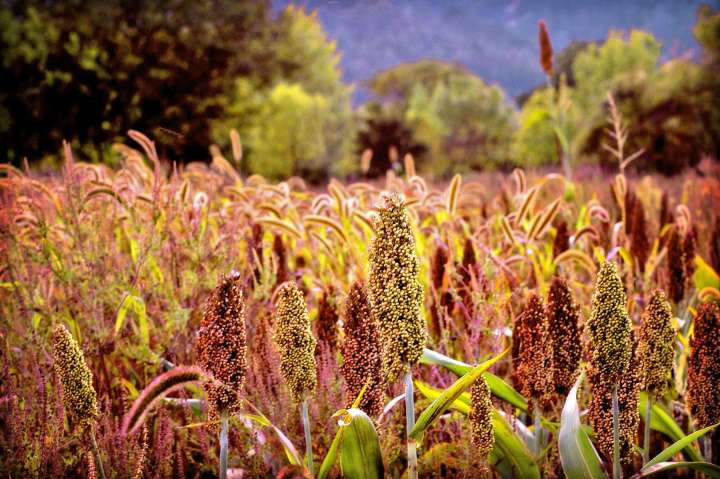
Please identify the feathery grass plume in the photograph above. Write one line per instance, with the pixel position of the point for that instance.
(362, 360)
(327, 319)
(546, 50)
(639, 242)
(600, 412)
(295, 342)
(221, 346)
(715, 244)
(609, 327)
(561, 242)
(395, 292)
(482, 432)
(655, 345)
(675, 273)
(565, 346)
(703, 400)
(531, 347)
(78, 393)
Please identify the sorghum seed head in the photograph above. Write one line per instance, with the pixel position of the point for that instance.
(639, 243)
(532, 349)
(655, 345)
(221, 346)
(327, 318)
(675, 275)
(546, 51)
(609, 327)
(563, 337)
(295, 342)
(561, 242)
(78, 393)
(396, 294)
(481, 426)
(703, 400)
(362, 356)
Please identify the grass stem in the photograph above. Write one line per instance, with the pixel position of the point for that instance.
(101, 470)
(410, 417)
(224, 426)
(646, 435)
(308, 438)
(617, 470)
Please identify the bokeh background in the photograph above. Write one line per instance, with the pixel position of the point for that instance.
(310, 86)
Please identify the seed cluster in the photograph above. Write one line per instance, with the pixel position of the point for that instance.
(396, 294)
(221, 346)
(655, 346)
(703, 387)
(565, 347)
(681, 262)
(482, 432)
(609, 327)
(78, 393)
(295, 342)
(531, 347)
(362, 358)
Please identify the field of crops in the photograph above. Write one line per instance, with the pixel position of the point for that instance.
(184, 321)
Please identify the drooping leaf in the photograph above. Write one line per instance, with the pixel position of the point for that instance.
(446, 398)
(710, 470)
(577, 454)
(290, 451)
(498, 387)
(662, 422)
(357, 443)
(705, 276)
(137, 305)
(678, 446)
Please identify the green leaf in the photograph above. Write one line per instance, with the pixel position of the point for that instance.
(510, 457)
(711, 470)
(290, 451)
(357, 442)
(446, 398)
(577, 454)
(137, 305)
(662, 422)
(705, 276)
(498, 387)
(678, 446)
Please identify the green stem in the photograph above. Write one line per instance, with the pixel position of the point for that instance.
(224, 426)
(100, 468)
(646, 435)
(308, 439)
(617, 470)
(410, 417)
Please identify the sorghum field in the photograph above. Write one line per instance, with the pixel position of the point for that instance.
(183, 321)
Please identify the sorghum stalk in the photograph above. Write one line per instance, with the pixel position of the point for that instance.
(397, 301)
(296, 345)
(221, 353)
(100, 467)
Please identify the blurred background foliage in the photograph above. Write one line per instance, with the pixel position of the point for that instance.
(187, 73)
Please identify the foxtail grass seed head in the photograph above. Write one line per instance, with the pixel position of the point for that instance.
(703, 396)
(546, 50)
(565, 346)
(77, 389)
(221, 346)
(609, 327)
(295, 342)
(482, 433)
(396, 294)
(655, 345)
(530, 361)
(361, 351)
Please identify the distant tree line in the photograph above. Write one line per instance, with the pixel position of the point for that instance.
(187, 73)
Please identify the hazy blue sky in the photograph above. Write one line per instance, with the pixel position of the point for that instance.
(495, 39)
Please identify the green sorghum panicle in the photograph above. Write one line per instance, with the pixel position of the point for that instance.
(396, 294)
(295, 342)
(655, 346)
(564, 344)
(703, 388)
(221, 346)
(78, 393)
(482, 433)
(362, 357)
(609, 327)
